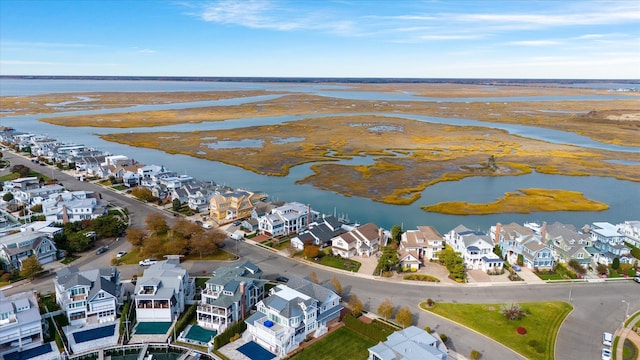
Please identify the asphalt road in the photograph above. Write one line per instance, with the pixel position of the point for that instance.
(598, 306)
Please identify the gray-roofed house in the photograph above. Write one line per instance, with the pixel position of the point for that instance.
(88, 297)
(515, 239)
(609, 241)
(229, 295)
(290, 314)
(20, 323)
(475, 247)
(15, 248)
(162, 291)
(319, 233)
(411, 343)
(567, 243)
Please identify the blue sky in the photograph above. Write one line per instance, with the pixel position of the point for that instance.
(341, 38)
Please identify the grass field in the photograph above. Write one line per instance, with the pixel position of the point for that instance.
(542, 322)
(339, 345)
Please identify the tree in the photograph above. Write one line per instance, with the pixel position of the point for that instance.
(142, 193)
(7, 196)
(520, 260)
(396, 233)
(491, 163)
(157, 223)
(30, 267)
(206, 243)
(615, 265)
(314, 277)
(136, 236)
(385, 309)
(176, 204)
(388, 260)
(355, 305)
(311, 251)
(498, 251)
(153, 246)
(453, 262)
(336, 285)
(404, 317)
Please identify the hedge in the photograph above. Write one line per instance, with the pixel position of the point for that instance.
(186, 318)
(223, 338)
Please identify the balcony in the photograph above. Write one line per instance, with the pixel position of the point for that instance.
(210, 293)
(213, 310)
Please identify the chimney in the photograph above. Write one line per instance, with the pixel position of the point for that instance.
(243, 300)
(65, 217)
(543, 231)
(496, 235)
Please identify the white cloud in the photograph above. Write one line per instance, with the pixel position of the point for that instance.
(24, 62)
(146, 51)
(535, 43)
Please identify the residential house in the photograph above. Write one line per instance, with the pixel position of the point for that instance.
(364, 240)
(411, 343)
(15, 248)
(476, 249)
(290, 218)
(36, 195)
(567, 243)
(233, 205)
(162, 291)
(199, 195)
(20, 322)
(229, 295)
(631, 231)
(45, 227)
(426, 242)
(88, 297)
(291, 313)
(409, 260)
(515, 239)
(609, 241)
(73, 206)
(319, 233)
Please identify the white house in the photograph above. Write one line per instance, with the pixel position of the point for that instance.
(20, 324)
(364, 240)
(289, 218)
(291, 313)
(73, 206)
(229, 295)
(475, 247)
(88, 297)
(631, 231)
(609, 241)
(162, 292)
(411, 343)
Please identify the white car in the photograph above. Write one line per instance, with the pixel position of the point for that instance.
(148, 262)
(606, 354)
(607, 339)
(637, 279)
(120, 254)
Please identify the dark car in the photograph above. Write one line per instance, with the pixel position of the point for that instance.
(101, 250)
(282, 279)
(42, 164)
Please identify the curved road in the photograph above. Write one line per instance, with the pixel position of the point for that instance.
(598, 307)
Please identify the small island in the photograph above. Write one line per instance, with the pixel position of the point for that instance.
(524, 201)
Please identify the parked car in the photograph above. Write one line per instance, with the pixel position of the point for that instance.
(101, 250)
(207, 226)
(282, 279)
(516, 268)
(606, 354)
(148, 262)
(637, 279)
(120, 254)
(607, 339)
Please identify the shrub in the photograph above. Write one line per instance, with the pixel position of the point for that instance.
(444, 338)
(521, 330)
(475, 355)
(513, 311)
(430, 302)
(427, 329)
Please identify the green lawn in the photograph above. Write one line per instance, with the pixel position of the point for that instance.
(351, 345)
(338, 263)
(542, 323)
